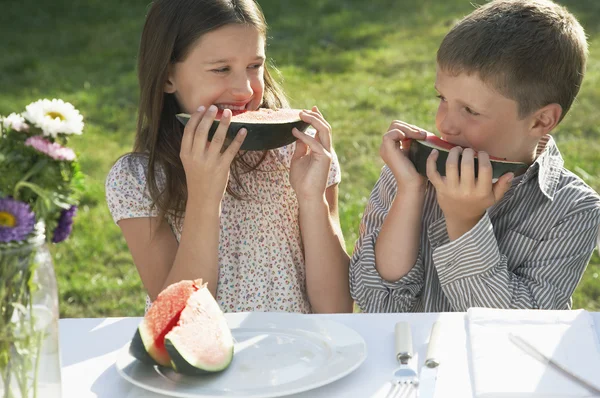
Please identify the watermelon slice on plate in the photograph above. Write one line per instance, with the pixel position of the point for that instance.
(185, 330)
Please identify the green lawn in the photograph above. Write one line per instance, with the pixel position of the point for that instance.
(363, 63)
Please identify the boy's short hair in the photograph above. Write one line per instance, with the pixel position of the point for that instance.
(531, 51)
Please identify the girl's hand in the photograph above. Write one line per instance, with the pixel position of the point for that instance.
(205, 163)
(463, 198)
(393, 149)
(312, 158)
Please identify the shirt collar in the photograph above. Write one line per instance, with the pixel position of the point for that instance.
(547, 166)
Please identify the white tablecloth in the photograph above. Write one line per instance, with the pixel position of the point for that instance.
(89, 349)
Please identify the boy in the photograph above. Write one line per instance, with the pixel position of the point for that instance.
(506, 76)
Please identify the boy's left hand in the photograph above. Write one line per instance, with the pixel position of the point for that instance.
(312, 158)
(463, 198)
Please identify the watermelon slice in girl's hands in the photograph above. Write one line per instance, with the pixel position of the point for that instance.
(267, 128)
(420, 149)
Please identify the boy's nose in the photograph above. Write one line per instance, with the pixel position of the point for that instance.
(448, 127)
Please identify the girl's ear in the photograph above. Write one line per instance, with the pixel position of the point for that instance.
(545, 119)
(169, 84)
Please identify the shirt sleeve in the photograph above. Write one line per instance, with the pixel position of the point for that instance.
(371, 292)
(474, 272)
(126, 192)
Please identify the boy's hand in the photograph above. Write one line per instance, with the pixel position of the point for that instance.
(394, 146)
(464, 199)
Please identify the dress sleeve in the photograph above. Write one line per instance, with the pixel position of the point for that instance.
(126, 191)
(335, 172)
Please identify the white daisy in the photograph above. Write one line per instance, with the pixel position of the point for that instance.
(15, 122)
(54, 117)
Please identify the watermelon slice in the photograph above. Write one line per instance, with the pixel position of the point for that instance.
(201, 342)
(267, 128)
(184, 329)
(420, 149)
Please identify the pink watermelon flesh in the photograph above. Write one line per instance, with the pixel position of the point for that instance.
(202, 337)
(163, 315)
(264, 116)
(439, 144)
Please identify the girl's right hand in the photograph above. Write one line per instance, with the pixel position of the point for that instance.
(393, 150)
(206, 164)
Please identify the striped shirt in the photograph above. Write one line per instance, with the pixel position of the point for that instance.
(528, 251)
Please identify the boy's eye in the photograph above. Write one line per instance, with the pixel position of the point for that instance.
(221, 70)
(471, 112)
(441, 97)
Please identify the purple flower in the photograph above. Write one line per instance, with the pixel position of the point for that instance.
(16, 220)
(65, 225)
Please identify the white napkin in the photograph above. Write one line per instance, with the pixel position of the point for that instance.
(499, 368)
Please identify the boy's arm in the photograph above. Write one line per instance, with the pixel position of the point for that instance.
(473, 271)
(372, 292)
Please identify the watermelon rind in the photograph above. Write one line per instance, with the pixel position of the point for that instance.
(260, 136)
(420, 149)
(138, 349)
(186, 364)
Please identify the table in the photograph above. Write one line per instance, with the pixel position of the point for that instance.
(89, 349)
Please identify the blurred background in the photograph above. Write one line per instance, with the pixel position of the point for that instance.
(363, 63)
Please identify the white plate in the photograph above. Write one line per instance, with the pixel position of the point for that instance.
(276, 354)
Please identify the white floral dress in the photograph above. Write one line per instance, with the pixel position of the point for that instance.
(261, 257)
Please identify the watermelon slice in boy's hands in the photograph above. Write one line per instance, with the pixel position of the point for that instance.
(267, 128)
(420, 149)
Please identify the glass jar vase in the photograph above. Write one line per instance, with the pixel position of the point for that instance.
(29, 353)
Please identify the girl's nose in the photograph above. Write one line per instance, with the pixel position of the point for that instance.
(241, 87)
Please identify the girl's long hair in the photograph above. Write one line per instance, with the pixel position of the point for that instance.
(170, 30)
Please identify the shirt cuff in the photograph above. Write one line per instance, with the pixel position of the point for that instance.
(474, 253)
(413, 277)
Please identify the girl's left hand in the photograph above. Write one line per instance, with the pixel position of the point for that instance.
(312, 158)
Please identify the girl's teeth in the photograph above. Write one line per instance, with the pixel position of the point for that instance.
(233, 108)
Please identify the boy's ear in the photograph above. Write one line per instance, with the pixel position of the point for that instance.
(545, 119)
(169, 84)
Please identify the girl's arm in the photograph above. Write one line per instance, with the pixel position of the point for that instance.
(326, 261)
(325, 257)
(158, 258)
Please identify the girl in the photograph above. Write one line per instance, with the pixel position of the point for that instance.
(261, 229)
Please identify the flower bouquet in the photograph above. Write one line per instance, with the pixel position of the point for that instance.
(40, 185)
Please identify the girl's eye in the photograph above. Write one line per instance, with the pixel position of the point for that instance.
(221, 70)
(441, 97)
(471, 112)
(256, 66)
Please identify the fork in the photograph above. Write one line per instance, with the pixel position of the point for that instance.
(405, 380)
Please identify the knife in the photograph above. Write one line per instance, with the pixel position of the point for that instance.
(429, 370)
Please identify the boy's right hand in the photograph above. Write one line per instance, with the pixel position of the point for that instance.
(206, 164)
(394, 147)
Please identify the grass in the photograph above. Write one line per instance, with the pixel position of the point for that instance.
(362, 63)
